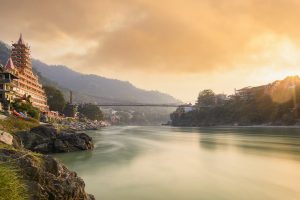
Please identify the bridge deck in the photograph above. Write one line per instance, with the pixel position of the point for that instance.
(143, 105)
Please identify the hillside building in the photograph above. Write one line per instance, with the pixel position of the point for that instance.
(249, 93)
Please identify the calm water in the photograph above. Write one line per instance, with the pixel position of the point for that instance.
(155, 163)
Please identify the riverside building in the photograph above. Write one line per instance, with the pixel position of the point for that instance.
(7, 94)
(27, 83)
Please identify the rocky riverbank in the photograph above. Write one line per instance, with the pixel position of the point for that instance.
(44, 177)
(26, 174)
(82, 126)
(46, 139)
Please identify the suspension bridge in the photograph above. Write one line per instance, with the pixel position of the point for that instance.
(145, 105)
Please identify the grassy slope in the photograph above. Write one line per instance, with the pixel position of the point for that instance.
(11, 185)
(13, 124)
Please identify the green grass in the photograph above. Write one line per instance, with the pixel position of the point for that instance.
(37, 157)
(14, 124)
(6, 146)
(34, 155)
(11, 185)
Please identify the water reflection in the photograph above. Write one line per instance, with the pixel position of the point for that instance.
(190, 163)
(263, 141)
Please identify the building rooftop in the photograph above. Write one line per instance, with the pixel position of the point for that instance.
(9, 65)
(20, 41)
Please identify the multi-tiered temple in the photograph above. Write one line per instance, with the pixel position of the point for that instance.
(27, 85)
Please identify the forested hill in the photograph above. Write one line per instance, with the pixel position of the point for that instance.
(90, 88)
(277, 103)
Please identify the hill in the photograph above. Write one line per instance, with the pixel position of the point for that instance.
(277, 103)
(90, 88)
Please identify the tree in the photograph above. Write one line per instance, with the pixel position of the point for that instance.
(259, 109)
(55, 98)
(206, 98)
(70, 110)
(90, 111)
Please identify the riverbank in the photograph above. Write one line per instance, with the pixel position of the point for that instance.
(34, 175)
(75, 125)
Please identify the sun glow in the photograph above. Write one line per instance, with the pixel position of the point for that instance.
(276, 56)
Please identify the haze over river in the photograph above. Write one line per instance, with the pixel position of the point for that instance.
(168, 163)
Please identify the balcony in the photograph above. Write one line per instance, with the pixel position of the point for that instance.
(5, 81)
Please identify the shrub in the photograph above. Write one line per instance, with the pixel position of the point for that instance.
(26, 107)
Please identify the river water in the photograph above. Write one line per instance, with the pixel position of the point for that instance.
(167, 163)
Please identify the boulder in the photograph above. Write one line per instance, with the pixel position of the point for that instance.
(46, 139)
(6, 138)
(45, 177)
(42, 148)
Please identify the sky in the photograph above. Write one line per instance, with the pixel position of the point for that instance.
(175, 46)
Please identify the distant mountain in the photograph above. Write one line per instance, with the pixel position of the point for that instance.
(91, 88)
(4, 52)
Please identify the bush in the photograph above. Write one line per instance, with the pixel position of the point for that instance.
(11, 185)
(27, 108)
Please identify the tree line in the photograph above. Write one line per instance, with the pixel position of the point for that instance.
(57, 102)
(273, 104)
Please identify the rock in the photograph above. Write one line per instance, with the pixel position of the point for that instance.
(45, 177)
(6, 138)
(43, 148)
(2, 117)
(48, 131)
(46, 139)
(87, 125)
(60, 146)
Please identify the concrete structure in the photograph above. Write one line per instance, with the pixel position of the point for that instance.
(71, 109)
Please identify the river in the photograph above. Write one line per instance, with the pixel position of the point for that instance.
(168, 163)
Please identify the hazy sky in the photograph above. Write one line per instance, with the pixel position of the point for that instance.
(175, 46)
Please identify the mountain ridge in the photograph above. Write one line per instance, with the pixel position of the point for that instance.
(91, 88)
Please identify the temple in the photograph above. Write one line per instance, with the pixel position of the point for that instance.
(25, 83)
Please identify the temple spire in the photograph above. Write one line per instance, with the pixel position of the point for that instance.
(9, 65)
(20, 41)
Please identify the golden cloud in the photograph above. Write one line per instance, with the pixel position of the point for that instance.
(145, 35)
